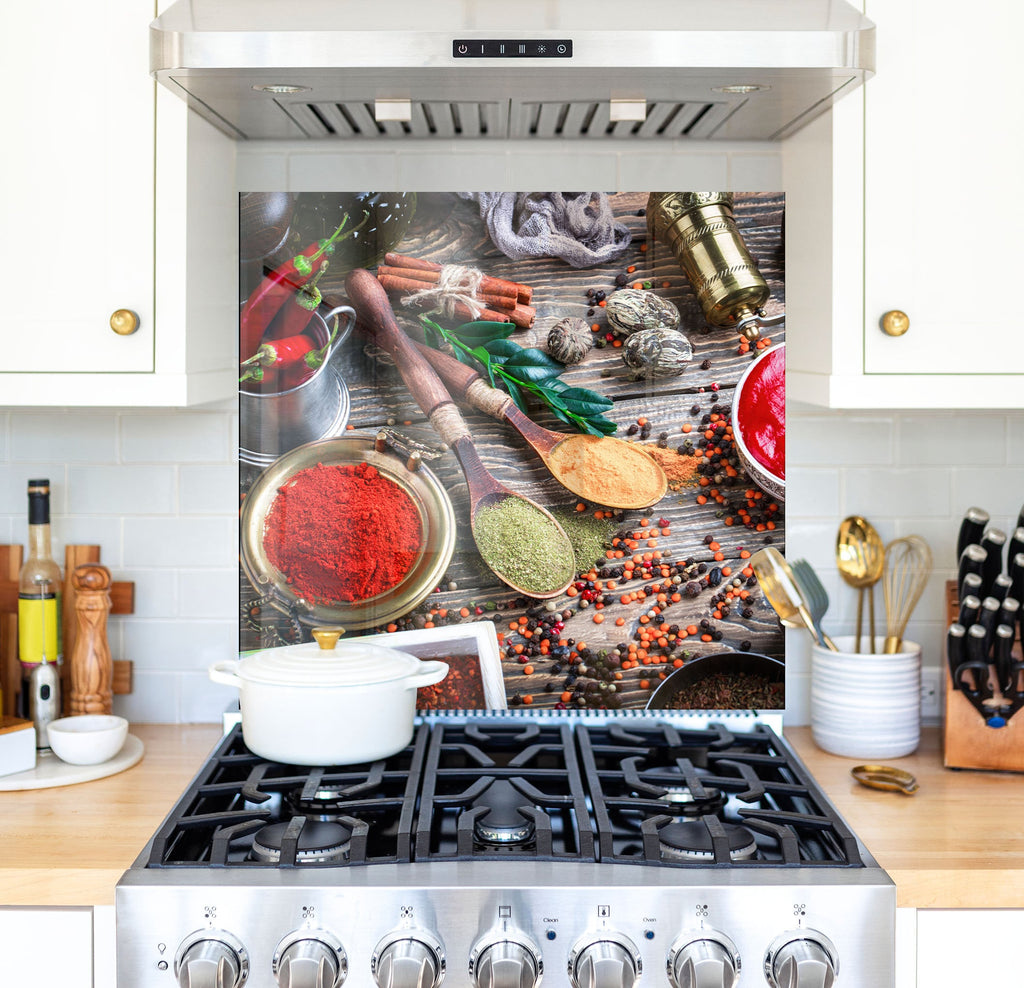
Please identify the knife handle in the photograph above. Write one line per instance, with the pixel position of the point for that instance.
(992, 542)
(1010, 611)
(956, 651)
(970, 608)
(988, 618)
(977, 644)
(1016, 568)
(972, 561)
(971, 529)
(1000, 586)
(1015, 546)
(1005, 635)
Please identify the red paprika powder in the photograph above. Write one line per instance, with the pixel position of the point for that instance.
(342, 532)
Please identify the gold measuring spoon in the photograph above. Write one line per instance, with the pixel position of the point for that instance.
(580, 463)
(780, 589)
(526, 525)
(860, 558)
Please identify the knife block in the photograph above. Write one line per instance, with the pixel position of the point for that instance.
(967, 741)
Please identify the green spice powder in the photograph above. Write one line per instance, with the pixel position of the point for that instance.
(589, 535)
(523, 545)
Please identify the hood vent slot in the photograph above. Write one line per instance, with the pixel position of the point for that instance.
(434, 118)
(591, 119)
(548, 119)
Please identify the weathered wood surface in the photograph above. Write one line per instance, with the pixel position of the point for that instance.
(446, 229)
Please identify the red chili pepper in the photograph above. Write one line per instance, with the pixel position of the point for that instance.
(279, 285)
(297, 312)
(291, 360)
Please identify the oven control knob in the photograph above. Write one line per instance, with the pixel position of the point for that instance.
(211, 959)
(506, 962)
(706, 961)
(801, 959)
(310, 959)
(607, 961)
(408, 960)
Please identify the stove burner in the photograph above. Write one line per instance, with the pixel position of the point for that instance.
(691, 841)
(319, 842)
(502, 823)
(682, 801)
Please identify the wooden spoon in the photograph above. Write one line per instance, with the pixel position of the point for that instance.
(575, 460)
(375, 316)
(860, 558)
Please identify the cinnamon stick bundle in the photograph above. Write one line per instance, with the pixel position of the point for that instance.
(493, 286)
(414, 280)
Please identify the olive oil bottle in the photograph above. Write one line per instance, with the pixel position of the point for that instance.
(39, 591)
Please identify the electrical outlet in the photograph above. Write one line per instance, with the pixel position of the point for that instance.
(931, 694)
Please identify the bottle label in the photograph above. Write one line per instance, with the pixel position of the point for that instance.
(37, 629)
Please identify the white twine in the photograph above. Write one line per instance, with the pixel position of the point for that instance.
(455, 284)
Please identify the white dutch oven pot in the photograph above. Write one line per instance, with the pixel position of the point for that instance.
(328, 703)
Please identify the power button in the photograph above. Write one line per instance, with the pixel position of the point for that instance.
(462, 49)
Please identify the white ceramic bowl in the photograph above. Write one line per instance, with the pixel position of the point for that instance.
(88, 739)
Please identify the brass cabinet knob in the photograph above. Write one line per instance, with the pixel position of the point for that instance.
(124, 322)
(895, 323)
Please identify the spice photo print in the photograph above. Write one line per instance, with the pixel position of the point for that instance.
(558, 417)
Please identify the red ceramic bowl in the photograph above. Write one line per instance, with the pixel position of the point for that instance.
(759, 421)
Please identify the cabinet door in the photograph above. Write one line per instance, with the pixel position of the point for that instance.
(47, 948)
(78, 167)
(944, 213)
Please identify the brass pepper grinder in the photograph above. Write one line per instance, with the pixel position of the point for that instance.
(700, 230)
(92, 670)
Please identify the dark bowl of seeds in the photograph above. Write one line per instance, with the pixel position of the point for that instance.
(724, 681)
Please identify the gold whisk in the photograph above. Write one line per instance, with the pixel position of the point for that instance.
(908, 563)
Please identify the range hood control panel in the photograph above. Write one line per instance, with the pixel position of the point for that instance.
(514, 48)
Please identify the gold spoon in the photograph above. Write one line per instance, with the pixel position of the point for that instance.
(777, 584)
(860, 558)
(376, 318)
(578, 462)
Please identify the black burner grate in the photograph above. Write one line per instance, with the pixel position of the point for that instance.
(511, 788)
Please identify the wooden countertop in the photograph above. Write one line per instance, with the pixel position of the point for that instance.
(958, 843)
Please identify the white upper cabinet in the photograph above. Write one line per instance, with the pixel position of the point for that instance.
(905, 199)
(94, 220)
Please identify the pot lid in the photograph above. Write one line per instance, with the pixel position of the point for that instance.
(344, 664)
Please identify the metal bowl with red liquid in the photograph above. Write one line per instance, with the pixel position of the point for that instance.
(759, 420)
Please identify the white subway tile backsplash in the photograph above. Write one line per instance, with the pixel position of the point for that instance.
(1000, 493)
(1015, 439)
(646, 170)
(180, 542)
(312, 172)
(754, 172)
(187, 437)
(178, 645)
(812, 492)
(205, 490)
(202, 700)
(101, 530)
(931, 440)
(156, 592)
(208, 593)
(14, 478)
(898, 492)
(155, 698)
(79, 436)
(838, 440)
(120, 489)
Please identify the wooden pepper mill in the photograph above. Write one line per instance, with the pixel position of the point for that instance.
(91, 668)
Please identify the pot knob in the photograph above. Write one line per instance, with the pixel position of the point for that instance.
(312, 959)
(609, 962)
(408, 962)
(327, 638)
(211, 959)
(802, 959)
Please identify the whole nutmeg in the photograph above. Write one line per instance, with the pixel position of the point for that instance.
(570, 340)
(633, 309)
(657, 352)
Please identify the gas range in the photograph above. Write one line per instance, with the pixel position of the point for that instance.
(497, 851)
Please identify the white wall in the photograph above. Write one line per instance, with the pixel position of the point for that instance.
(158, 489)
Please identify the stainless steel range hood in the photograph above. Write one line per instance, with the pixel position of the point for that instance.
(501, 69)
